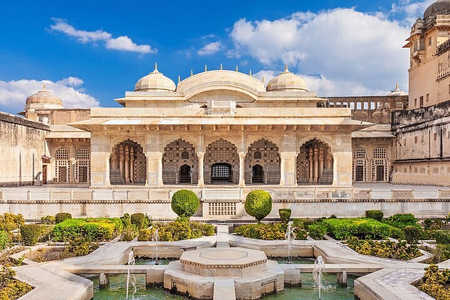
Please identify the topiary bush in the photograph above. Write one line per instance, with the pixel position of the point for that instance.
(271, 231)
(285, 215)
(258, 204)
(342, 229)
(374, 214)
(140, 220)
(412, 234)
(177, 231)
(94, 229)
(48, 220)
(30, 234)
(185, 203)
(61, 217)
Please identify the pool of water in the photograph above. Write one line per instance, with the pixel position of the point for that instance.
(149, 261)
(298, 260)
(309, 292)
(117, 290)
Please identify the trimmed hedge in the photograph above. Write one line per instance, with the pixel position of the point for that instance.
(140, 220)
(270, 231)
(285, 215)
(402, 220)
(317, 231)
(185, 203)
(342, 229)
(374, 214)
(177, 231)
(61, 217)
(30, 234)
(258, 204)
(412, 234)
(94, 229)
(9, 222)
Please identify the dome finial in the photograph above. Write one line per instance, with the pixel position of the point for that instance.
(179, 79)
(250, 73)
(44, 87)
(396, 86)
(156, 66)
(286, 70)
(263, 80)
(221, 67)
(192, 73)
(155, 71)
(237, 68)
(206, 68)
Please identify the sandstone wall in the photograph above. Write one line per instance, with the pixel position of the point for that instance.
(22, 145)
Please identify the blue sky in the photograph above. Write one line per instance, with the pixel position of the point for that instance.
(90, 52)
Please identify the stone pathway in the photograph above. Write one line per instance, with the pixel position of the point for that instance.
(223, 240)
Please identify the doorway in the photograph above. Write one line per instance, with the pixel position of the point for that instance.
(258, 174)
(185, 174)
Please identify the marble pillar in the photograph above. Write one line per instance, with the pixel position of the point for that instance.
(201, 180)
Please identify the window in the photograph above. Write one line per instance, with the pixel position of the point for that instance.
(428, 97)
(257, 155)
(421, 101)
(185, 155)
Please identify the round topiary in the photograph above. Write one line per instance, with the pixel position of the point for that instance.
(185, 203)
(61, 217)
(258, 204)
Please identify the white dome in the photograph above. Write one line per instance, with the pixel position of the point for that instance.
(397, 92)
(155, 81)
(43, 100)
(287, 81)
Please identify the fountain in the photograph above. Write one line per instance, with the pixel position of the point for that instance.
(290, 235)
(131, 262)
(317, 273)
(155, 238)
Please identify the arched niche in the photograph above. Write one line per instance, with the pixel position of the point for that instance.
(127, 164)
(221, 156)
(264, 154)
(315, 163)
(180, 163)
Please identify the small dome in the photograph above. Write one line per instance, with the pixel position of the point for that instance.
(287, 81)
(440, 7)
(397, 92)
(43, 100)
(155, 81)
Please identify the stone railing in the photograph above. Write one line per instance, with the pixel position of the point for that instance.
(233, 194)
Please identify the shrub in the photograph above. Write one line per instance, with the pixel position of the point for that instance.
(374, 214)
(81, 246)
(402, 220)
(412, 234)
(342, 229)
(317, 231)
(9, 222)
(9, 287)
(30, 234)
(48, 220)
(271, 231)
(396, 233)
(140, 220)
(4, 239)
(176, 231)
(442, 237)
(434, 283)
(61, 217)
(185, 203)
(94, 229)
(387, 249)
(333, 216)
(258, 204)
(285, 215)
(129, 233)
(306, 222)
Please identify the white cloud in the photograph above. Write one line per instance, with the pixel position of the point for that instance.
(123, 43)
(411, 10)
(210, 48)
(351, 51)
(14, 93)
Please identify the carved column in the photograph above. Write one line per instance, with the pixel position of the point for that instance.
(121, 161)
(200, 156)
(321, 160)
(160, 169)
(127, 164)
(132, 165)
(311, 167)
(241, 169)
(316, 164)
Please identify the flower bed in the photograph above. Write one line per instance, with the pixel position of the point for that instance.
(10, 288)
(386, 249)
(436, 283)
(93, 229)
(271, 231)
(177, 231)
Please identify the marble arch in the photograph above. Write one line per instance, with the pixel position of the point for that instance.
(127, 164)
(263, 163)
(180, 163)
(315, 163)
(221, 162)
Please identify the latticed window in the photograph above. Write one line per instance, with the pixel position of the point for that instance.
(257, 155)
(360, 153)
(359, 164)
(177, 154)
(222, 209)
(185, 155)
(83, 165)
(379, 153)
(62, 165)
